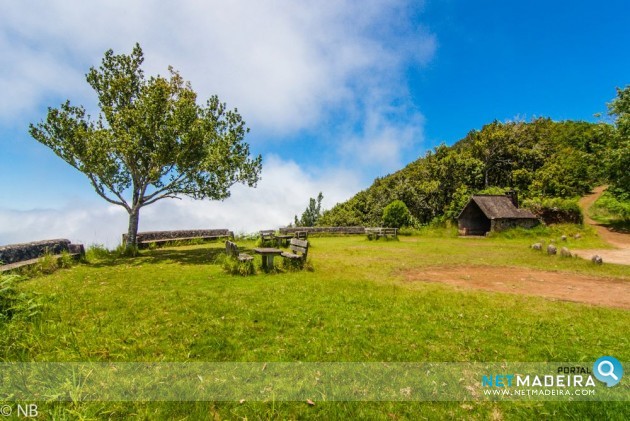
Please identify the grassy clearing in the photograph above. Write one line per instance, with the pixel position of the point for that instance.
(178, 304)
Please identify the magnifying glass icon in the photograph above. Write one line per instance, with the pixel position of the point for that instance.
(609, 373)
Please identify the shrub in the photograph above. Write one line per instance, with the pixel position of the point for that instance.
(66, 260)
(396, 215)
(97, 252)
(234, 266)
(610, 207)
(555, 210)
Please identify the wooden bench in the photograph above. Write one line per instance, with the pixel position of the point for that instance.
(267, 237)
(378, 232)
(161, 237)
(302, 235)
(23, 255)
(299, 249)
(231, 249)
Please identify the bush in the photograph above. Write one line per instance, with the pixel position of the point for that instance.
(610, 207)
(234, 266)
(396, 215)
(555, 210)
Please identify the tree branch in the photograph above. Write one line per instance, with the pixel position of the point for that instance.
(148, 199)
(164, 196)
(101, 192)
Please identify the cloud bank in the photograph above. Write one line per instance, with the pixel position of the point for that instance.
(283, 192)
(333, 72)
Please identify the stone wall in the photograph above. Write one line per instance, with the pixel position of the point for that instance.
(325, 230)
(14, 253)
(149, 236)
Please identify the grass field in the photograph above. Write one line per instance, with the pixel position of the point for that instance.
(177, 304)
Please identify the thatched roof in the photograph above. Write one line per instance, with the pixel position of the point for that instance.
(500, 207)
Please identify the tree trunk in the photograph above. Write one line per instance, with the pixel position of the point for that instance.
(132, 232)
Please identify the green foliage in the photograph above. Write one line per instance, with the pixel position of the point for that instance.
(396, 215)
(233, 266)
(556, 210)
(618, 158)
(151, 139)
(615, 208)
(311, 215)
(539, 159)
(13, 302)
(612, 211)
(66, 260)
(126, 250)
(97, 252)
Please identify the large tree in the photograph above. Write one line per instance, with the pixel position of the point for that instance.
(151, 139)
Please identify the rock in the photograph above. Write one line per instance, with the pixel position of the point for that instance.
(564, 252)
(577, 236)
(597, 260)
(537, 246)
(564, 238)
(551, 249)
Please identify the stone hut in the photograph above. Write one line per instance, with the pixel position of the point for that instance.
(485, 213)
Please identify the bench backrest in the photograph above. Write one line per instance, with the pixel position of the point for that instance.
(381, 231)
(231, 249)
(267, 234)
(299, 247)
(303, 235)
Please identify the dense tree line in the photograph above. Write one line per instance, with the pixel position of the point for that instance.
(540, 159)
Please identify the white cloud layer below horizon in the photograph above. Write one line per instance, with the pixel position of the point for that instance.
(246, 211)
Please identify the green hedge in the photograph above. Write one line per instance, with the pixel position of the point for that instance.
(555, 210)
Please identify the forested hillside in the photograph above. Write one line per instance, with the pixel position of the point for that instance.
(540, 159)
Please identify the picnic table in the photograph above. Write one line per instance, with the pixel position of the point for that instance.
(267, 253)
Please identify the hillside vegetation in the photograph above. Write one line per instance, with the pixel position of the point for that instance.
(541, 159)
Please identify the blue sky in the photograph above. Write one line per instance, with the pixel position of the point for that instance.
(336, 93)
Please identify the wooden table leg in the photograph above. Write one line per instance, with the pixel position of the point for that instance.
(267, 262)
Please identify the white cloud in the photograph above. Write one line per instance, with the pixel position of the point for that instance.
(283, 63)
(333, 70)
(283, 192)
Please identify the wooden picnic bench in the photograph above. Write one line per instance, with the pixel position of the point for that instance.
(302, 235)
(299, 250)
(378, 232)
(231, 249)
(267, 237)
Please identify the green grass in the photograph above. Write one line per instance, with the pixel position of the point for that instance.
(178, 304)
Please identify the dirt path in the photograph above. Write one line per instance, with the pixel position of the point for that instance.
(555, 285)
(620, 255)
